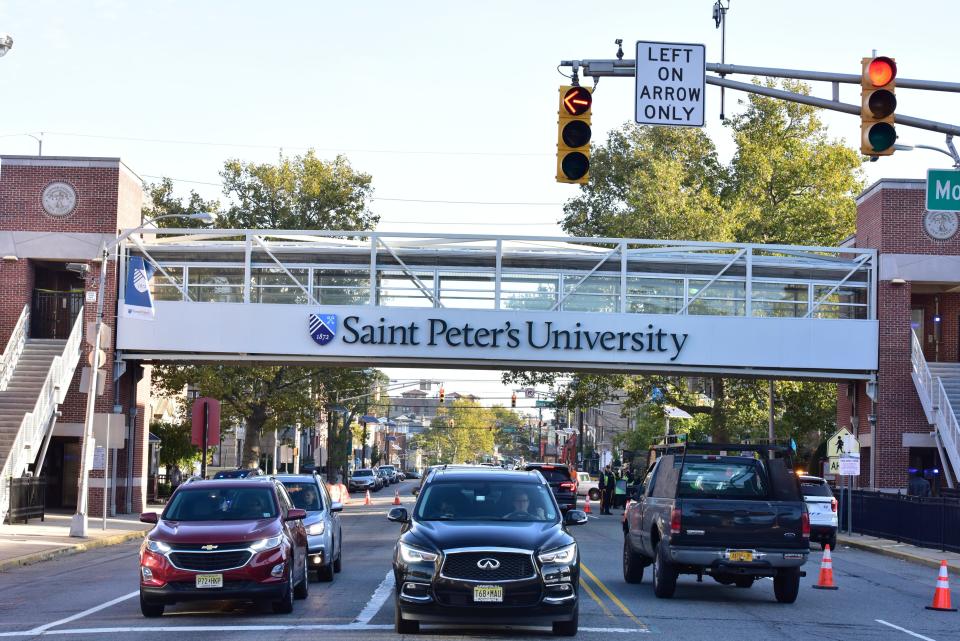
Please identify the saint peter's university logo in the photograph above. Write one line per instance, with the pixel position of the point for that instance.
(323, 327)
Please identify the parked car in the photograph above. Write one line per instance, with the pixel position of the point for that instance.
(385, 476)
(389, 472)
(362, 480)
(324, 540)
(587, 486)
(225, 539)
(482, 546)
(562, 481)
(724, 513)
(240, 473)
(823, 510)
(412, 474)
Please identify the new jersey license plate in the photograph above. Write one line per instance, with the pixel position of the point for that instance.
(740, 555)
(488, 594)
(209, 580)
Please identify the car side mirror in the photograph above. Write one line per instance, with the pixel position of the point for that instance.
(575, 517)
(148, 517)
(399, 515)
(336, 506)
(295, 514)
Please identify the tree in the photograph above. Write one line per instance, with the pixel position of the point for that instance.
(459, 433)
(788, 183)
(302, 192)
(175, 446)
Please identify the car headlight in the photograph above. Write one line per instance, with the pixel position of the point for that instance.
(566, 554)
(317, 528)
(266, 544)
(158, 546)
(411, 554)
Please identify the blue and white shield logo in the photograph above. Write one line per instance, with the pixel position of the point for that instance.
(323, 327)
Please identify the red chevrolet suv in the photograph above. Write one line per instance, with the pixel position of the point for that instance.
(225, 539)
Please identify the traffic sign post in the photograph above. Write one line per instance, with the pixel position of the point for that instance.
(671, 79)
(943, 190)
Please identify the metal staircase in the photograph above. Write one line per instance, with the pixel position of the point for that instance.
(34, 377)
(938, 385)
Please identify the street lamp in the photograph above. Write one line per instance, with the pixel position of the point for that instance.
(6, 44)
(78, 524)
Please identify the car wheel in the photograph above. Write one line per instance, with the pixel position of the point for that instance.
(664, 574)
(302, 589)
(338, 562)
(786, 585)
(285, 604)
(594, 494)
(743, 581)
(567, 628)
(401, 625)
(632, 564)
(832, 543)
(150, 609)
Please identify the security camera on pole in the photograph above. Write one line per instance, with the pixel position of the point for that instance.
(79, 522)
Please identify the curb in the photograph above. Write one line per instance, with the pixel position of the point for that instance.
(67, 550)
(897, 554)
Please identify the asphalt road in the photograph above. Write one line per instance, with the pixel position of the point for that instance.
(93, 596)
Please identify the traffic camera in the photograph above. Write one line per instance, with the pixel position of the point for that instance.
(878, 103)
(573, 134)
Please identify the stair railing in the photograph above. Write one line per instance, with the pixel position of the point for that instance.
(948, 429)
(35, 423)
(922, 378)
(11, 354)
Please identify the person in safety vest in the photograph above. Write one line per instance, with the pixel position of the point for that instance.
(607, 484)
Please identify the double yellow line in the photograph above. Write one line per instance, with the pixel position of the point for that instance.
(613, 598)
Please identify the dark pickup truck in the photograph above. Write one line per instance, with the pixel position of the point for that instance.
(734, 513)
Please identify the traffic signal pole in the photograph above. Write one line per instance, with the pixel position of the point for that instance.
(627, 69)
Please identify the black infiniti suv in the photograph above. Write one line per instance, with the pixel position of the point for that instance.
(486, 546)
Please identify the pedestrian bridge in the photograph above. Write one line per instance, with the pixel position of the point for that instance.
(484, 301)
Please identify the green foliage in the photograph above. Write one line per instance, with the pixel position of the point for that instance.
(175, 446)
(462, 432)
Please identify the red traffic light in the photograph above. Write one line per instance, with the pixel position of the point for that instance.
(881, 71)
(577, 101)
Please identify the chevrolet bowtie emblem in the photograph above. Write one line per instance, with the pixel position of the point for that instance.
(209, 547)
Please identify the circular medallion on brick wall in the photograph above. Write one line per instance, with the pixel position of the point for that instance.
(940, 224)
(59, 199)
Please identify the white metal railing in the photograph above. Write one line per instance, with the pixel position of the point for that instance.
(35, 423)
(14, 348)
(937, 407)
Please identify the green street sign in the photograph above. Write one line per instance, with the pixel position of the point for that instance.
(545, 404)
(943, 190)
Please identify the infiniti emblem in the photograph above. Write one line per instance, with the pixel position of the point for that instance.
(488, 564)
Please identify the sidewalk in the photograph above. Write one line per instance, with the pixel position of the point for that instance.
(24, 544)
(905, 551)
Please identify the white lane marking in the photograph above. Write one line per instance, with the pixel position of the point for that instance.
(897, 627)
(342, 627)
(379, 597)
(43, 628)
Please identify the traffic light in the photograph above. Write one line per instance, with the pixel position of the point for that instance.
(441, 395)
(573, 134)
(878, 102)
(513, 400)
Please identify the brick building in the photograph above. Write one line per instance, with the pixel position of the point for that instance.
(55, 213)
(918, 300)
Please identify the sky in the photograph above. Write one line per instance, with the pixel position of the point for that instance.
(450, 106)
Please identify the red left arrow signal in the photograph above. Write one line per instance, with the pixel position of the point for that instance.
(577, 101)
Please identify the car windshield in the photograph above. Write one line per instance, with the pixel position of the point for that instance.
(363, 473)
(486, 501)
(304, 495)
(387, 468)
(815, 488)
(221, 504)
(723, 478)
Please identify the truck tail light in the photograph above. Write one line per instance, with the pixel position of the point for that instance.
(568, 486)
(675, 521)
(833, 504)
(805, 524)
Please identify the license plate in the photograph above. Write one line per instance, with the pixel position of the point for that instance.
(740, 555)
(488, 594)
(209, 580)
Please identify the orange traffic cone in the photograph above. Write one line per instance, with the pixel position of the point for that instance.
(366, 501)
(586, 508)
(825, 582)
(396, 497)
(941, 596)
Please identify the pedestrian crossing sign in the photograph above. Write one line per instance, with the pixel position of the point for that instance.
(841, 444)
